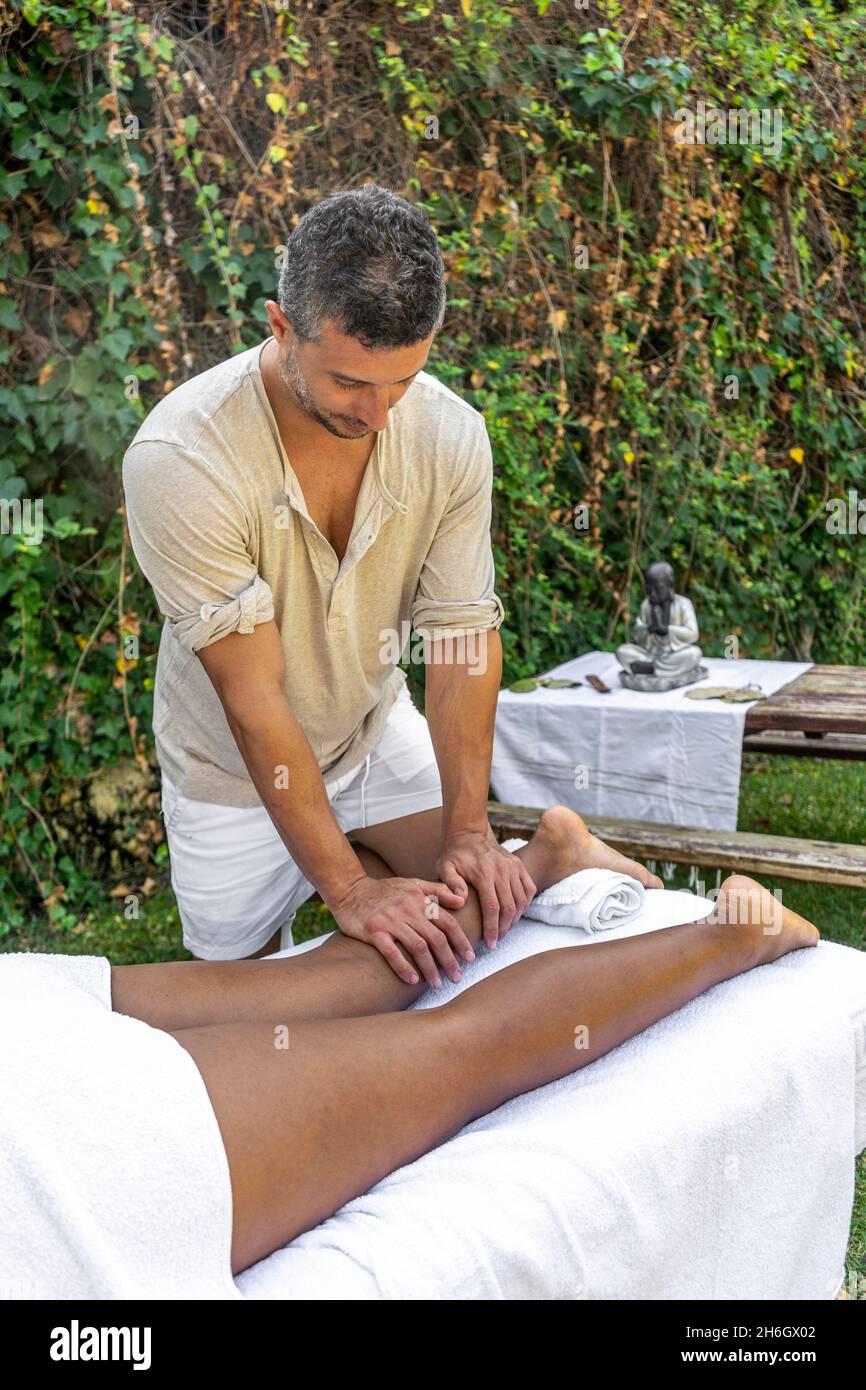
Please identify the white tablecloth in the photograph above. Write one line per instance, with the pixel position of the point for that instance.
(634, 755)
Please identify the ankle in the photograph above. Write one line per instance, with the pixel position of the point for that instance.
(736, 933)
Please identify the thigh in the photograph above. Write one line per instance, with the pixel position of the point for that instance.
(316, 1113)
(410, 844)
(394, 807)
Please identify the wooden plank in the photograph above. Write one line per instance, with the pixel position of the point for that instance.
(827, 677)
(840, 714)
(818, 861)
(847, 748)
(828, 699)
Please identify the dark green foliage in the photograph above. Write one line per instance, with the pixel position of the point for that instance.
(156, 162)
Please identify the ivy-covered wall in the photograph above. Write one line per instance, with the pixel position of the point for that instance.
(658, 306)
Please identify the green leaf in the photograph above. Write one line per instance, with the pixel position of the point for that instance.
(9, 316)
(761, 375)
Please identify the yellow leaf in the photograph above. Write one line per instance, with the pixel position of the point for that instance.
(277, 154)
(796, 454)
(628, 456)
(466, 7)
(276, 102)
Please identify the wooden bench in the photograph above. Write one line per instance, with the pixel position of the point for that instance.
(814, 861)
(817, 861)
(808, 745)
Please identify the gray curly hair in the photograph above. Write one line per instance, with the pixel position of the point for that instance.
(370, 261)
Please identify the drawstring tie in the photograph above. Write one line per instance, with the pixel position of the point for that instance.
(363, 780)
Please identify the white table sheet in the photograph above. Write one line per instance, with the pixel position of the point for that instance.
(634, 755)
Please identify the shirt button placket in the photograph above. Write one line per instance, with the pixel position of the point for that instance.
(336, 616)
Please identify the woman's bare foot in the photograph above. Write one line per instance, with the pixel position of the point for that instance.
(563, 844)
(776, 929)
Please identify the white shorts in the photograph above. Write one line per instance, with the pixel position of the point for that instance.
(233, 877)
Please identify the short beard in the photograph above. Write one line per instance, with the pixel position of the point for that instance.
(292, 377)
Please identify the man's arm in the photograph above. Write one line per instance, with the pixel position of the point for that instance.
(460, 704)
(456, 605)
(248, 672)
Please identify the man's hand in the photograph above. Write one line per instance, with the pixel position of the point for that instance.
(503, 885)
(384, 911)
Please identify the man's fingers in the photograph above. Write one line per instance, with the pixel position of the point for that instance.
(387, 947)
(414, 943)
(454, 933)
(455, 882)
(448, 895)
(489, 913)
(524, 890)
(507, 908)
(437, 933)
(528, 882)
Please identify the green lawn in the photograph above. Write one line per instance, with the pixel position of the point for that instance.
(801, 797)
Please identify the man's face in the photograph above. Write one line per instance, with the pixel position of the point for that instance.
(342, 386)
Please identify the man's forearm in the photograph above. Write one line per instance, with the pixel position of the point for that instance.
(289, 781)
(460, 708)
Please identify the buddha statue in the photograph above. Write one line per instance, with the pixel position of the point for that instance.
(663, 652)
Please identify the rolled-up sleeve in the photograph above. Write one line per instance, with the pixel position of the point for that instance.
(456, 587)
(190, 534)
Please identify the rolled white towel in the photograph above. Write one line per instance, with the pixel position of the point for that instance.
(593, 899)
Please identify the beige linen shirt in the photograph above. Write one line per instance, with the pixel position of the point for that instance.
(219, 526)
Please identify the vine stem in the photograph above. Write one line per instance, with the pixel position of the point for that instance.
(139, 757)
(84, 650)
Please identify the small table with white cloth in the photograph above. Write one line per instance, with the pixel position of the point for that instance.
(630, 754)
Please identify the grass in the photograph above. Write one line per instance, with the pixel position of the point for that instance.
(801, 797)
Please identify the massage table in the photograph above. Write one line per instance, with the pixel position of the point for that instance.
(709, 1157)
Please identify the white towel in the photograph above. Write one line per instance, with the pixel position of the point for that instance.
(593, 899)
(113, 1175)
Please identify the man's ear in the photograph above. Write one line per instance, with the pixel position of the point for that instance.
(280, 325)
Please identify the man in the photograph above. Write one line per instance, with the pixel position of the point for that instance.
(296, 507)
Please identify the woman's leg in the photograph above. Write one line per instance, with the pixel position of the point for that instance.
(316, 1112)
(343, 978)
